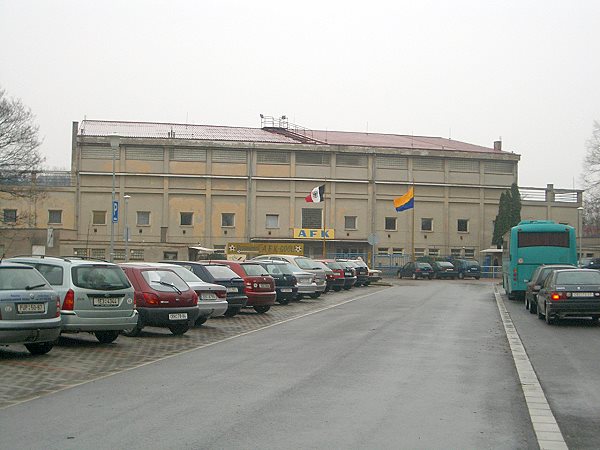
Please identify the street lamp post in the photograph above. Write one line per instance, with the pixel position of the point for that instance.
(579, 232)
(114, 145)
(126, 198)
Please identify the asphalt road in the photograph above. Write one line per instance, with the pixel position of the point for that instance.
(424, 364)
(566, 359)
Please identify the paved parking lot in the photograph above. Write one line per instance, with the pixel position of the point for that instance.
(79, 358)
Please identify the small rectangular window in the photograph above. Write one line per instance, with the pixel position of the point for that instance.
(10, 216)
(350, 222)
(397, 251)
(55, 216)
(311, 218)
(433, 252)
(98, 253)
(381, 251)
(143, 218)
(456, 252)
(227, 219)
(419, 252)
(426, 224)
(272, 221)
(469, 253)
(99, 217)
(137, 255)
(462, 225)
(170, 256)
(390, 224)
(185, 218)
(119, 254)
(83, 252)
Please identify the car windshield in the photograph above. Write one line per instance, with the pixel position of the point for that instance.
(185, 274)
(220, 272)
(278, 269)
(21, 278)
(333, 265)
(572, 277)
(96, 276)
(305, 263)
(255, 270)
(445, 264)
(164, 280)
(53, 274)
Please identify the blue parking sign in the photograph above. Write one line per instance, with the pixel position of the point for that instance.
(115, 211)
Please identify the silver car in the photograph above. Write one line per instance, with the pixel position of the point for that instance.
(95, 296)
(29, 309)
(305, 264)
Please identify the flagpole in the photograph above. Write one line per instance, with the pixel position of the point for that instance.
(324, 219)
(413, 226)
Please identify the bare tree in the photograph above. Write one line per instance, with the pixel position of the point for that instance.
(591, 179)
(19, 146)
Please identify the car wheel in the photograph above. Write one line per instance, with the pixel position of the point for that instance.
(350, 287)
(262, 309)
(135, 331)
(430, 277)
(549, 319)
(533, 307)
(39, 348)
(315, 295)
(526, 303)
(461, 276)
(283, 301)
(200, 320)
(414, 276)
(179, 329)
(399, 275)
(477, 278)
(106, 337)
(337, 289)
(539, 312)
(595, 319)
(232, 311)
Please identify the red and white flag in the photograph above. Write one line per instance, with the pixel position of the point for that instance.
(316, 195)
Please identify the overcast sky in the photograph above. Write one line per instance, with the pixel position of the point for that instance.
(527, 72)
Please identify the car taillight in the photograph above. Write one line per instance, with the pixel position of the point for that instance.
(221, 294)
(150, 298)
(194, 298)
(558, 296)
(417, 270)
(57, 306)
(69, 302)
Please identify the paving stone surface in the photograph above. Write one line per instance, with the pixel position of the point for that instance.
(79, 358)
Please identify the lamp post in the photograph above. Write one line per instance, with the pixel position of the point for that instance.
(579, 232)
(114, 145)
(126, 198)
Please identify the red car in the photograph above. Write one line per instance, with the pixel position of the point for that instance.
(162, 298)
(259, 285)
(338, 276)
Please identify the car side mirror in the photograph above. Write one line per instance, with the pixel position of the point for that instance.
(537, 287)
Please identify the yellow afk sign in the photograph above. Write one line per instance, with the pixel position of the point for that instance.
(314, 233)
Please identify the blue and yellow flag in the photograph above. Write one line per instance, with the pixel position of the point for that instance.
(405, 201)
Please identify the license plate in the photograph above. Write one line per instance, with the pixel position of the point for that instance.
(100, 301)
(286, 290)
(232, 289)
(348, 274)
(30, 308)
(178, 316)
(582, 294)
(264, 285)
(208, 296)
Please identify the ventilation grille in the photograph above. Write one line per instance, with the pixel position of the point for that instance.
(391, 162)
(229, 156)
(428, 164)
(98, 153)
(187, 154)
(144, 154)
(464, 165)
(322, 159)
(264, 157)
(351, 160)
(498, 167)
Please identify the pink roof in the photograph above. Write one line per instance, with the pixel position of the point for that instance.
(272, 135)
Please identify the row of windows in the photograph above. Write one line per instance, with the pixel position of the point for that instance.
(302, 157)
(311, 218)
(457, 252)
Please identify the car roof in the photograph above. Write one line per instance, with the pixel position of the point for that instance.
(61, 260)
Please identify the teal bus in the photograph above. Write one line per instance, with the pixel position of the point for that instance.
(530, 244)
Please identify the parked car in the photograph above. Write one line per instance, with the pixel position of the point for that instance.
(306, 265)
(162, 299)
(415, 269)
(467, 268)
(590, 263)
(535, 284)
(569, 293)
(95, 296)
(349, 273)
(361, 269)
(444, 269)
(286, 283)
(338, 278)
(307, 286)
(223, 275)
(29, 309)
(212, 298)
(259, 285)
(375, 275)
